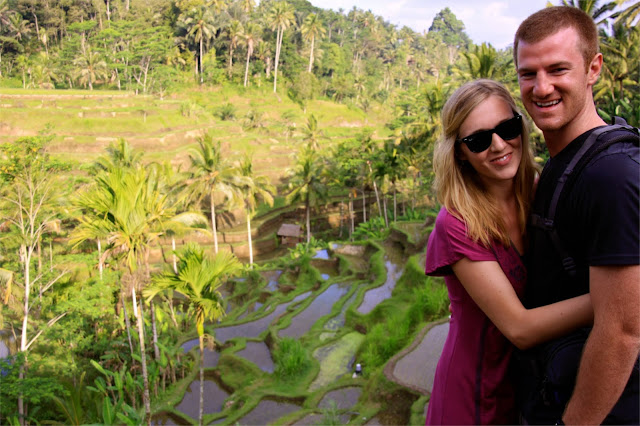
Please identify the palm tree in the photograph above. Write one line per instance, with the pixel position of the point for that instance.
(198, 23)
(211, 175)
(198, 279)
(484, 62)
(19, 28)
(234, 32)
(311, 29)
(251, 36)
(307, 184)
(311, 133)
(119, 154)
(593, 8)
(91, 67)
(256, 188)
(280, 17)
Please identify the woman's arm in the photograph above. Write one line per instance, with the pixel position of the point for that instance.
(489, 287)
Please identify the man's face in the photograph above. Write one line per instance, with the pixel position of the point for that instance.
(554, 83)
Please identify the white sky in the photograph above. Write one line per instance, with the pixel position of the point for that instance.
(490, 21)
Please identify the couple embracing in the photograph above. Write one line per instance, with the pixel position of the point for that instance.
(541, 268)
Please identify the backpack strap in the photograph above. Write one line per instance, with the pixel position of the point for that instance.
(576, 165)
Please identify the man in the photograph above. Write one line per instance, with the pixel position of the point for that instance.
(558, 62)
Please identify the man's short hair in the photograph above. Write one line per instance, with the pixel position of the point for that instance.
(550, 20)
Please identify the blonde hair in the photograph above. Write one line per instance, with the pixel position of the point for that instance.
(457, 184)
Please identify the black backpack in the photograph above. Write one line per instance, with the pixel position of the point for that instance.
(592, 146)
(550, 370)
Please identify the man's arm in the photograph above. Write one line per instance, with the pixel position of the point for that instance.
(612, 347)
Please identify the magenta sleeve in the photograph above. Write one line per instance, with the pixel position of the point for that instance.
(448, 243)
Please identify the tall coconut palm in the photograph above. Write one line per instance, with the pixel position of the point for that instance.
(251, 37)
(90, 67)
(256, 188)
(312, 134)
(280, 18)
(234, 32)
(199, 25)
(210, 174)
(307, 184)
(311, 29)
(598, 10)
(198, 279)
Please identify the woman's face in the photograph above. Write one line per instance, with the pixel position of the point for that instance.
(499, 162)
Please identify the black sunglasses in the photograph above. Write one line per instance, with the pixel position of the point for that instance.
(507, 130)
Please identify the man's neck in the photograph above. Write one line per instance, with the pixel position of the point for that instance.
(557, 140)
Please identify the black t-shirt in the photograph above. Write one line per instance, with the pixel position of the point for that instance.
(597, 220)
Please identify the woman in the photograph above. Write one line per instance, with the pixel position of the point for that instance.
(485, 180)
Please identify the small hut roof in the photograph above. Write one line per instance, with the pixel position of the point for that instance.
(289, 230)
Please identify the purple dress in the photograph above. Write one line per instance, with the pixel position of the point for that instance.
(471, 383)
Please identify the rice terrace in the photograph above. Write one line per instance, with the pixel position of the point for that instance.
(217, 212)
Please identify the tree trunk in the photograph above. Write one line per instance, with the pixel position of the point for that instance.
(127, 322)
(313, 39)
(201, 68)
(395, 205)
(154, 328)
(375, 188)
(275, 71)
(25, 321)
(143, 357)
(213, 224)
(364, 205)
(246, 68)
(100, 265)
(351, 216)
(341, 219)
(201, 409)
(307, 208)
(175, 258)
(384, 208)
(249, 238)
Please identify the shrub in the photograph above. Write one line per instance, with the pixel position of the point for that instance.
(291, 359)
(226, 112)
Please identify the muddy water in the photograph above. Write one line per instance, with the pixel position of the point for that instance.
(267, 411)
(321, 306)
(259, 354)
(214, 398)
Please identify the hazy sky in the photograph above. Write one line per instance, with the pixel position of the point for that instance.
(490, 21)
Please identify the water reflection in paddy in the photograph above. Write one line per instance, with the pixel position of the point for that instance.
(253, 329)
(375, 296)
(321, 306)
(267, 411)
(259, 354)
(322, 254)
(214, 398)
(272, 278)
(210, 356)
(344, 398)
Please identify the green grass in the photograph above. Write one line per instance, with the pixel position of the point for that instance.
(291, 359)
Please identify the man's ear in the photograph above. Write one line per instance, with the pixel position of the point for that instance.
(594, 69)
